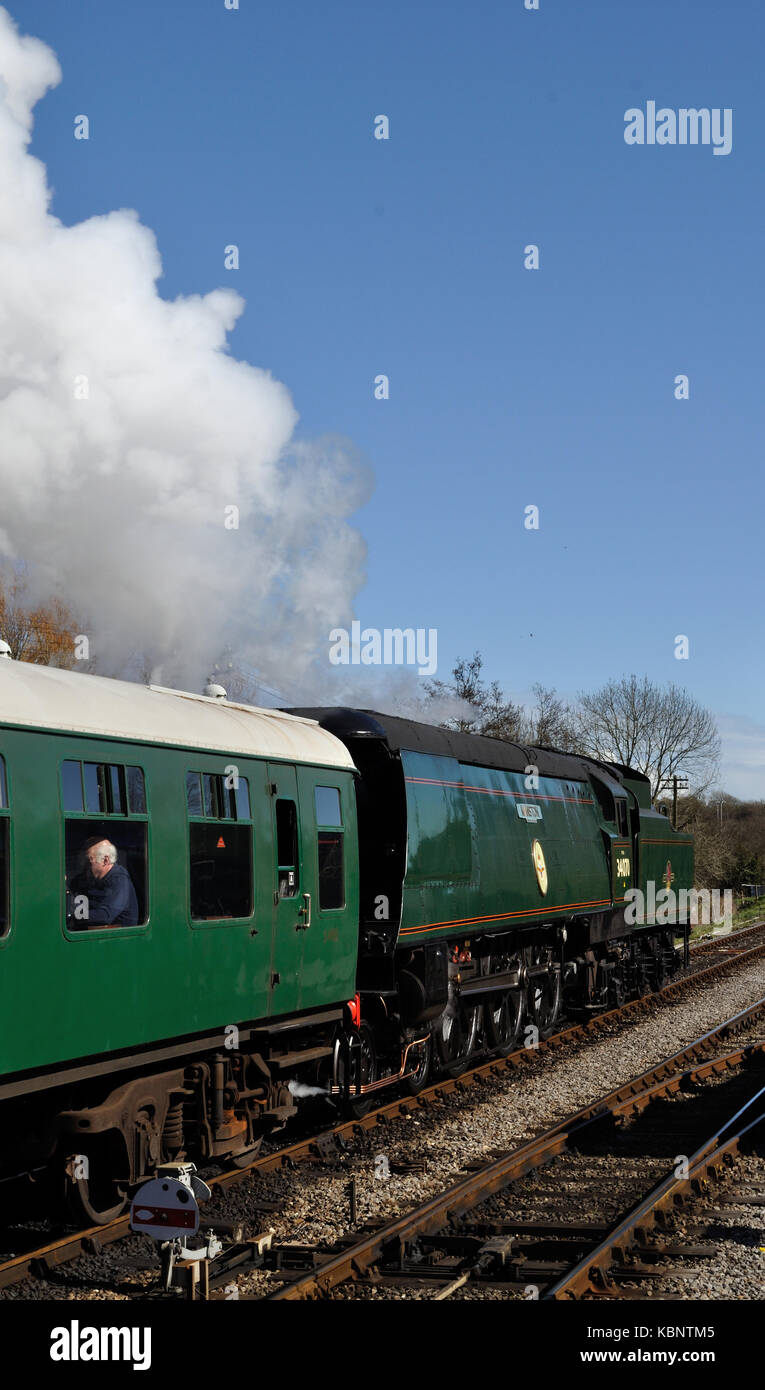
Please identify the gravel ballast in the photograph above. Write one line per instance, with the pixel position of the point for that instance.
(479, 1124)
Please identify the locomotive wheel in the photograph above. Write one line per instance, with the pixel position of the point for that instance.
(367, 1071)
(456, 1037)
(420, 1077)
(503, 1020)
(503, 1016)
(543, 993)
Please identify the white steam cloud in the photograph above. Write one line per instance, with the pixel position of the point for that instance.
(301, 1091)
(116, 502)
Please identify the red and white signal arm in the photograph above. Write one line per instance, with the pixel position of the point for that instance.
(164, 1209)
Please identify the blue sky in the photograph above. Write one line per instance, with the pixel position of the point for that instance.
(508, 387)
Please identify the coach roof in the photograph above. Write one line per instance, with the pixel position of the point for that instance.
(44, 697)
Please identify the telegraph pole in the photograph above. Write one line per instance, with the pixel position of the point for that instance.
(678, 783)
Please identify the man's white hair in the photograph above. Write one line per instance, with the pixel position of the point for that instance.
(106, 850)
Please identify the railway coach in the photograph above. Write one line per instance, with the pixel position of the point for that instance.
(126, 1043)
(206, 908)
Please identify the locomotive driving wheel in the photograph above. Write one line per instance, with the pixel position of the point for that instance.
(457, 1035)
(543, 993)
(503, 1015)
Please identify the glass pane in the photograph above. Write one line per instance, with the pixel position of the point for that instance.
(95, 798)
(117, 898)
(3, 786)
(210, 794)
(221, 871)
(328, 806)
(117, 788)
(228, 800)
(136, 791)
(243, 800)
(287, 849)
(331, 890)
(194, 793)
(71, 778)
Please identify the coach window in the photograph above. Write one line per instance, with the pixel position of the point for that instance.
(220, 846)
(287, 865)
(329, 827)
(105, 820)
(5, 867)
(621, 817)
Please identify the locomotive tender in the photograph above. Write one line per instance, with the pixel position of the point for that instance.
(328, 897)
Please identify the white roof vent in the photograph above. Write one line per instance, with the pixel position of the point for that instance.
(4, 649)
(215, 692)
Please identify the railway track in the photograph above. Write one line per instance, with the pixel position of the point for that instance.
(632, 1157)
(44, 1260)
(726, 941)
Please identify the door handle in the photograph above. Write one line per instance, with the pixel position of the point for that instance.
(305, 911)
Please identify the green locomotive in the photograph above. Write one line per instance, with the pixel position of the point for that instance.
(493, 884)
(205, 906)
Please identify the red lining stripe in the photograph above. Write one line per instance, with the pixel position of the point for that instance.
(684, 843)
(504, 916)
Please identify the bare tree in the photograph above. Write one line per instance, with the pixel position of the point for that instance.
(551, 722)
(658, 730)
(43, 634)
(480, 708)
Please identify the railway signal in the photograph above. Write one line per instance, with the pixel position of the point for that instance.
(167, 1209)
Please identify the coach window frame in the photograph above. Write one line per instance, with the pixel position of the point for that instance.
(244, 775)
(296, 865)
(337, 830)
(124, 761)
(6, 819)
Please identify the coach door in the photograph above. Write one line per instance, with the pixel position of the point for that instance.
(330, 938)
(289, 893)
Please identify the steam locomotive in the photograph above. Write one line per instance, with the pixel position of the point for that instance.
(324, 897)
